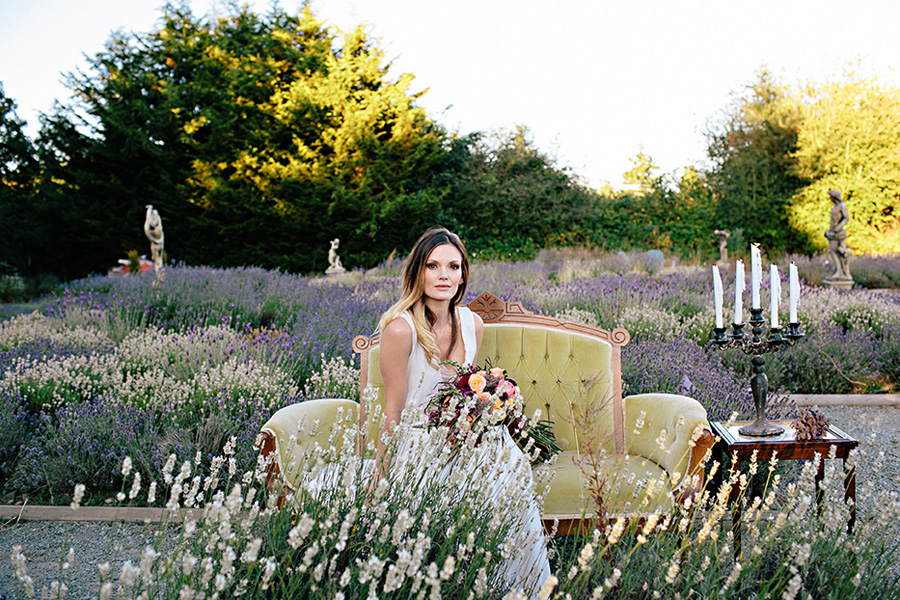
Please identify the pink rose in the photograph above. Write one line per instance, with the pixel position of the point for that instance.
(504, 386)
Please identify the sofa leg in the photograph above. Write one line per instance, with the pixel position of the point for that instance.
(696, 465)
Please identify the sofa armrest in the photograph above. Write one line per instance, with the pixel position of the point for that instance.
(671, 430)
(295, 430)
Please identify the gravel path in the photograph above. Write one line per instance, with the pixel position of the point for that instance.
(45, 543)
(862, 423)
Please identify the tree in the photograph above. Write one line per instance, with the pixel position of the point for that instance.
(24, 217)
(753, 174)
(848, 142)
(259, 138)
(642, 174)
(507, 199)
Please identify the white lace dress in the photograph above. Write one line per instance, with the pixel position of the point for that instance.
(511, 481)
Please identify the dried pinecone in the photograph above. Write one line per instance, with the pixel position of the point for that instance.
(810, 425)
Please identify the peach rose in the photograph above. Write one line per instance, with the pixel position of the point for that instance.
(497, 372)
(477, 382)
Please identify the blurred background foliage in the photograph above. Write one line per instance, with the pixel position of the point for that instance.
(259, 138)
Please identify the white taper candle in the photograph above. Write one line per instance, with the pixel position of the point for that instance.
(738, 292)
(717, 294)
(755, 275)
(794, 286)
(774, 294)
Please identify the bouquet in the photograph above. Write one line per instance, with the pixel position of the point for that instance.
(480, 398)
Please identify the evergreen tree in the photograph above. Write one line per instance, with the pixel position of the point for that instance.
(258, 138)
(22, 213)
(507, 199)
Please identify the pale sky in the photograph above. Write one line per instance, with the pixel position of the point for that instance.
(596, 81)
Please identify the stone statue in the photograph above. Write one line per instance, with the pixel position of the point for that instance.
(154, 231)
(837, 243)
(723, 244)
(334, 261)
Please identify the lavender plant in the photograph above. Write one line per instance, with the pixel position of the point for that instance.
(237, 338)
(827, 361)
(681, 366)
(16, 431)
(87, 442)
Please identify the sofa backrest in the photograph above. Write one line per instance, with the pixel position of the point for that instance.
(572, 372)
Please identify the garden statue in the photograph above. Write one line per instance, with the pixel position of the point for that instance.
(154, 230)
(723, 244)
(334, 261)
(837, 243)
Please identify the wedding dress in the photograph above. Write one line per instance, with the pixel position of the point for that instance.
(509, 471)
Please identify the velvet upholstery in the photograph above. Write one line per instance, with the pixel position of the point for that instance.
(297, 429)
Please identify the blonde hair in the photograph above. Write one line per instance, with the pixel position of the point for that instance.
(413, 296)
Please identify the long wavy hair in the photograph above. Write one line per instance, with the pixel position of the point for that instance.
(413, 297)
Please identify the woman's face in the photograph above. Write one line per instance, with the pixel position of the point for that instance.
(443, 272)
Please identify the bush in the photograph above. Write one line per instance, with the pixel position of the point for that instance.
(827, 361)
(12, 288)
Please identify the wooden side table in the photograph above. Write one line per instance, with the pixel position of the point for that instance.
(731, 443)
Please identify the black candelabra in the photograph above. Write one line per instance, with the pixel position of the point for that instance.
(756, 346)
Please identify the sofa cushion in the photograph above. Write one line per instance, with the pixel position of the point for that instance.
(630, 484)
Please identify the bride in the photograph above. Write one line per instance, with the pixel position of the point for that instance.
(424, 328)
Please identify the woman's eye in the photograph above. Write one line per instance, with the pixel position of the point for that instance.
(431, 266)
(454, 267)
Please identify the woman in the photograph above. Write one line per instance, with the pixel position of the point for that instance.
(423, 329)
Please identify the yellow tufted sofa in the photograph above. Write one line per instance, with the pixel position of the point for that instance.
(637, 450)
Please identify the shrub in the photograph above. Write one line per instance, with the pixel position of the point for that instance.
(827, 361)
(334, 379)
(12, 288)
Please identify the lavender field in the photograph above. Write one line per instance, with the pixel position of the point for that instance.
(122, 366)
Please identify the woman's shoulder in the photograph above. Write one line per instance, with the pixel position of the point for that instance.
(398, 326)
(397, 338)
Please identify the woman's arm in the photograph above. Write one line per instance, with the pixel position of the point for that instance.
(393, 360)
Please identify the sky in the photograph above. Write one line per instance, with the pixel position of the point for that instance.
(594, 81)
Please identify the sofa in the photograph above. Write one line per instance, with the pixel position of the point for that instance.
(643, 452)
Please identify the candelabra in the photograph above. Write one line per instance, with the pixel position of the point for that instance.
(756, 346)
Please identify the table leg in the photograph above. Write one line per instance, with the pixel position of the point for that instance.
(820, 493)
(850, 495)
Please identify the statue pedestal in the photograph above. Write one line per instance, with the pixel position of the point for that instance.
(335, 270)
(839, 283)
